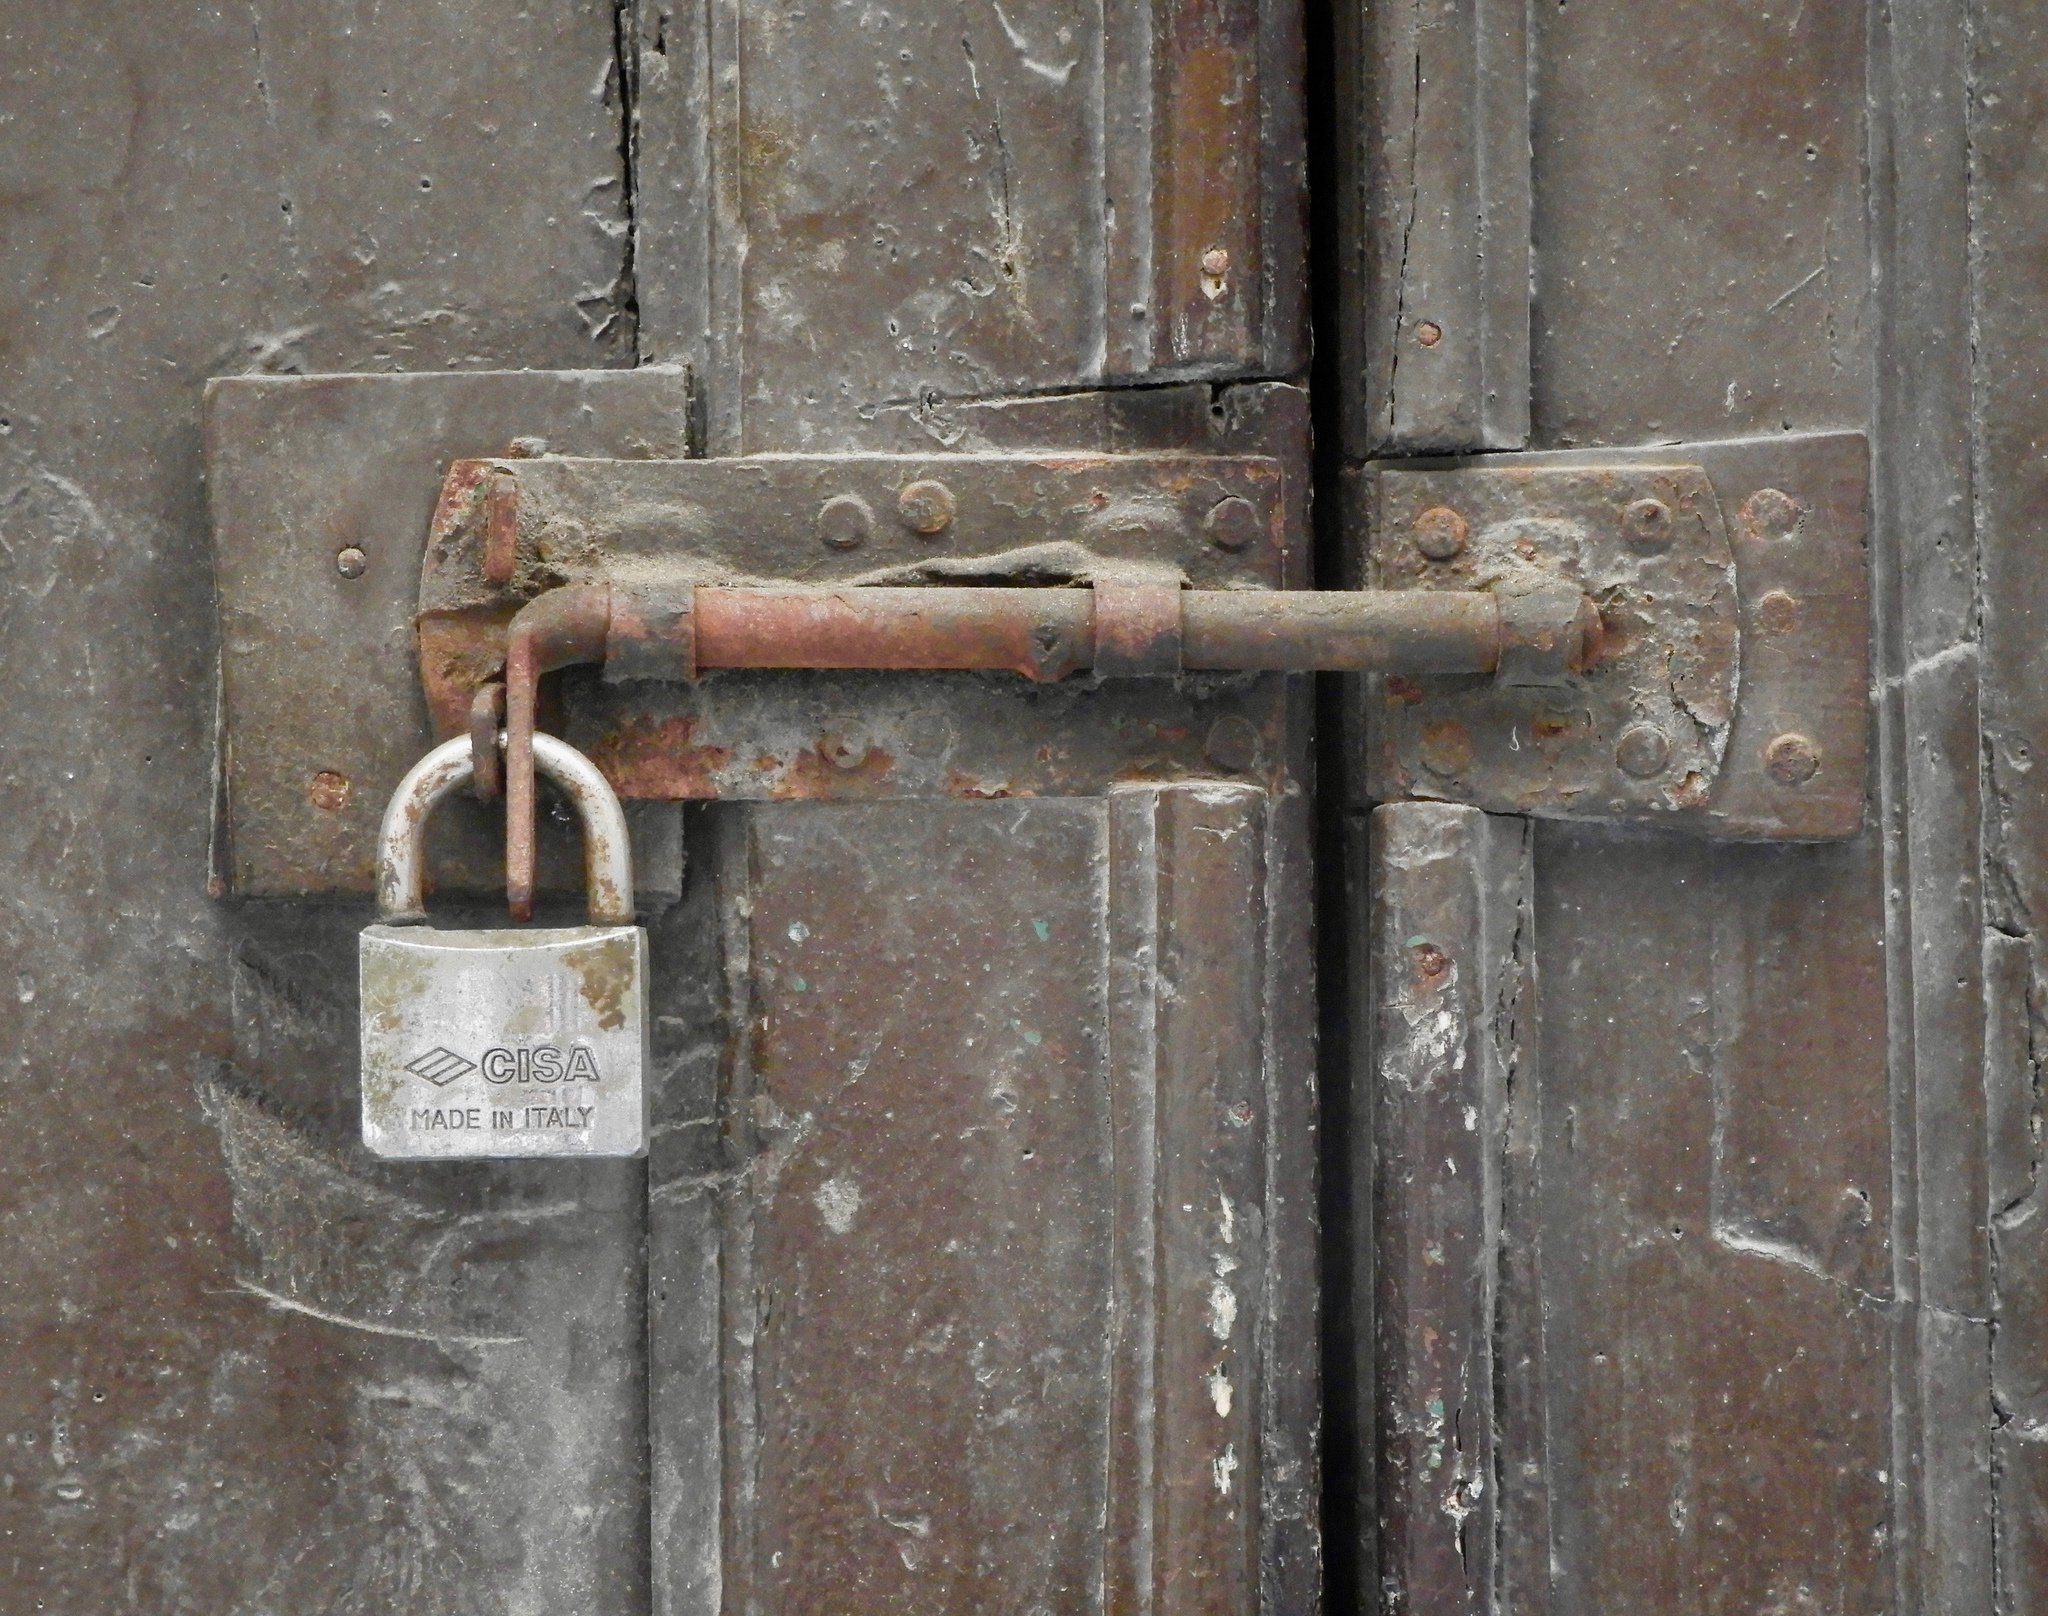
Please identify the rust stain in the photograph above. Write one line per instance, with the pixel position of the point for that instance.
(830, 769)
(605, 976)
(660, 760)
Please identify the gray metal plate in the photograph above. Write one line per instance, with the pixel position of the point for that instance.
(321, 710)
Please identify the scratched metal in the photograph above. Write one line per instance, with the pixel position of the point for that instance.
(1459, 1363)
(319, 718)
(1431, 223)
(993, 1270)
(253, 1370)
(848, 213)
(2006, 235)
(1698, 195)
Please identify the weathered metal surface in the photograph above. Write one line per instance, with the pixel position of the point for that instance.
(1716, 1221)
(322, 711)
(2009, 318)
(995, 1266)
(1432, 216)
(716, 1154)
(1697, 190)
(256, 1371)
(1732, 694)
(838, 216)
(1461, 1481)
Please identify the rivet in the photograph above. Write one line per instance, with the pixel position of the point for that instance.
(1233, 744)
(1232, 523)
(1440, 533)
(328, 791)
(1432, 961)
(1429, 333)
(1647, 524)
(1779, 612)
(1216, 261)
(1642, 751)
(350, 562)
(927, 507)
(1770, 513)
(1792, 759)
(844, 522)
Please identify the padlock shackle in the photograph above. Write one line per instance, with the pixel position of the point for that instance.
(401, 840)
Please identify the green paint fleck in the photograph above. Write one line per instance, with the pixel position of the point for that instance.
(799, 984)
(1033, 1039)
(1044, 931)
(1415, 942)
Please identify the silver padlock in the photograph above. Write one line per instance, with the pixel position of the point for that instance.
(526, 1041)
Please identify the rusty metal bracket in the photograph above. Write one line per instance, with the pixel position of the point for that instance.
(1733, 695)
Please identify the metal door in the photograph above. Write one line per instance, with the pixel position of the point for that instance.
(972, 1264)
(975, 1264)
(1739, 1314)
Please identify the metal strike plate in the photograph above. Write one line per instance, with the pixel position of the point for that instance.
(321, 490)
(1733, 585)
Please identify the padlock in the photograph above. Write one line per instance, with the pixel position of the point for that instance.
(524, 1041)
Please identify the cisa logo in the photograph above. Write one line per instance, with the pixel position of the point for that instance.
(539, 1063)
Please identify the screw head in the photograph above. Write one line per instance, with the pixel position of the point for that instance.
(844, 522)
(1232, 523)
(1792, 759)
(1233, 744)
(350, 562)
(927, 507)
(1642, 750)
(1770, 513)
(1646, 523)
(1440, 533)
(328, 791)
(1429, 333)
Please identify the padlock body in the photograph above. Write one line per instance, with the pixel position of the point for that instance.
(529, 1042)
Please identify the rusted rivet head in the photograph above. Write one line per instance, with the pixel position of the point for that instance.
(1232, 523)
(1770, 513)
(1642, 751)
(1431, 960)
(1647, 524)
(350, 561)
(1233, 744)
(1216, 261)
(927, 507)
(328, 791)
(1429, 333)
(1440, 533)
(844, 521)
(1779, 612)
(1792, 759)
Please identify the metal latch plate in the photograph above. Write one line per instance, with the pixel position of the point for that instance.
(1733, 583)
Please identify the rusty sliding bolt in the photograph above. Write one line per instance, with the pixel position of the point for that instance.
(1522, 635)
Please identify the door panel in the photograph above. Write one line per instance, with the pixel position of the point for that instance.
(256, 1373)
